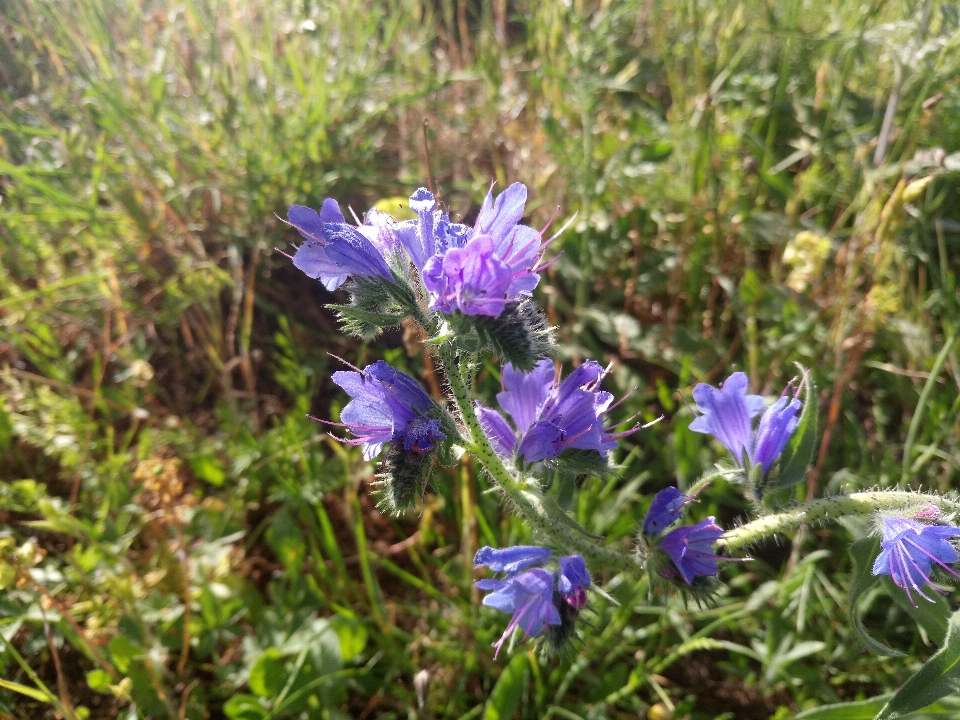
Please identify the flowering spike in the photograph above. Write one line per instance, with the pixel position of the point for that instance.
(573, 580)
(776, 426)
(387, 406)
(552, 418)
(727, 413)
(511, 560)
(909, 551)
(665, 509)
(691, 549)
(529, 596)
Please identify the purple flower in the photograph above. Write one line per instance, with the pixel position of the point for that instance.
(549, 417)
(476, 272)
(776, 426)
(528, 596)
(665, 509)
(470, 279)
(691, 549)
(727, 414)
(387, 406)
(573, 580)
(910, 549)
(511, 560)
(334, 250)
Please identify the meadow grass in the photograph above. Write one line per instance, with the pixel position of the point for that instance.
(199, 548)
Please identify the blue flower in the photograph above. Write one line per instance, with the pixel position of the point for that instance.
(573, 580)
(550, 417)
(727, 414)
(476, 272)
(910, 549)
(387, 406)
(528, 596)
(665, 509)
(511, 560)
(334, 250)
(691, 549)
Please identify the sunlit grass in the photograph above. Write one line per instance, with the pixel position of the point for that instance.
(218, 555)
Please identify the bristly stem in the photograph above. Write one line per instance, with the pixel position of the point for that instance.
(861, 504)
(540, 510)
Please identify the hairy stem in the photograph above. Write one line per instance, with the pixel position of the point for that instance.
(540, 510)
(827, 509)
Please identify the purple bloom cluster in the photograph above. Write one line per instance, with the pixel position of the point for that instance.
(909, 551)
(475, 271)
(387, 406)
(550, 417)
(536, 598)
(727, 415)
(335, 250)
(690, 547)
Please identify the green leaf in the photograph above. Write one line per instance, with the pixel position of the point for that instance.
(243, 707)
(506, 693)
(939, 677)
(209, 469)
(25, 690)
(99, 680)
(864, 552)
(796, 456)
(6, 428)
(932, 617)
(352, 635)
(860, 710)
(7, 575)
(267, 674)
(123, 651)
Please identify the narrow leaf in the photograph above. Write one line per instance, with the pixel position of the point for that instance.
(939, 677)
(506, 693)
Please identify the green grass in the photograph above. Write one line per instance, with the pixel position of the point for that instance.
(201, 549)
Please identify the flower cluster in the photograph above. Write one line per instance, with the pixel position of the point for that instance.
(727, 414)
(387, 406)
(690, 547)
(909, 551)
(476, 271)
(536, 598)
(550, 416)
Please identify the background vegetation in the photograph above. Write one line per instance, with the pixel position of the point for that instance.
(198, 548)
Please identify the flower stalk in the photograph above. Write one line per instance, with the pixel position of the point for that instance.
(863, 504)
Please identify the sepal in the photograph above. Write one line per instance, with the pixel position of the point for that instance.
(582, 462)
(375, 304)
(402, 478)
(519, 335)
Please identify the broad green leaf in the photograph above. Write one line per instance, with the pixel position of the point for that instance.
(243, 707)
(939, 677)
(25, 690)
(796, 456)
(864, 552)
(7, 574)
(267, 674)
(352, 635)
(99, 680)
(506, 693)
(208, 468)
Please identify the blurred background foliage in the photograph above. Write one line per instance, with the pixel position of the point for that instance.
(756, 184)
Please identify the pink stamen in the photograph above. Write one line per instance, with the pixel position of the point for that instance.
(289, 257)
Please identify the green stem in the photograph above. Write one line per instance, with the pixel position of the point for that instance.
(540, 510)
(827, 509)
